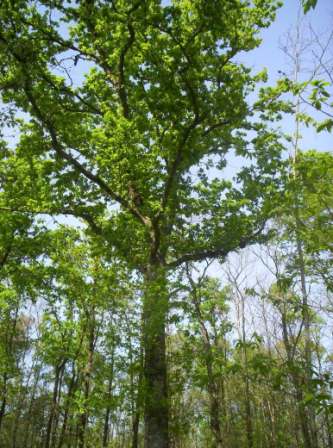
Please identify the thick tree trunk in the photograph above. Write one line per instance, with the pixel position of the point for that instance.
(155, 307)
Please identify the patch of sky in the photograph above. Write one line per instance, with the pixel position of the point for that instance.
(270, 54)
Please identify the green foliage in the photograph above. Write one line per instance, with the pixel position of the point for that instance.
(313, 186)
(308, 4)
(163, 97)
(127, 117)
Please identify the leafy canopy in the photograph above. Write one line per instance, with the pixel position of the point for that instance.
(132, 112)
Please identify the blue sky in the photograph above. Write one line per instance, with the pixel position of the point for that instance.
(270, 55)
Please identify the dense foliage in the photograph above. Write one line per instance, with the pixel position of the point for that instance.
(121, 123)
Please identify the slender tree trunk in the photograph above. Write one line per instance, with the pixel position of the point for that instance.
(270, 412)
(71, 388)
(4, 399)
(106, 427)
(108, 410)
(54, 403)
(84, 416)
(135, 430)
(308, 411)
(307, 330)
(57, 414)
(212, 387)
(138, 401)
(20, 408)
(248, 412)
(29, 418)
(328, 430)
(137, 414)
(303, 418)
(215, 416)
(156, 408)
(87, 379)
(302, 414)
(9, 338)
(214, 403)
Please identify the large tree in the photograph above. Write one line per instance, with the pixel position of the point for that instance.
(138, 147)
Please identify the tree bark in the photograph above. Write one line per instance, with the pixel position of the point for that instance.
(302, 414)
(155, 307)
(108, 409)
(71, 388)
(57, 414)
(215, 408)
(328, 430)
(138, 406)
(106, 427)
(4, 399)
(54, 403)
(86, 390)
(213, 388)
